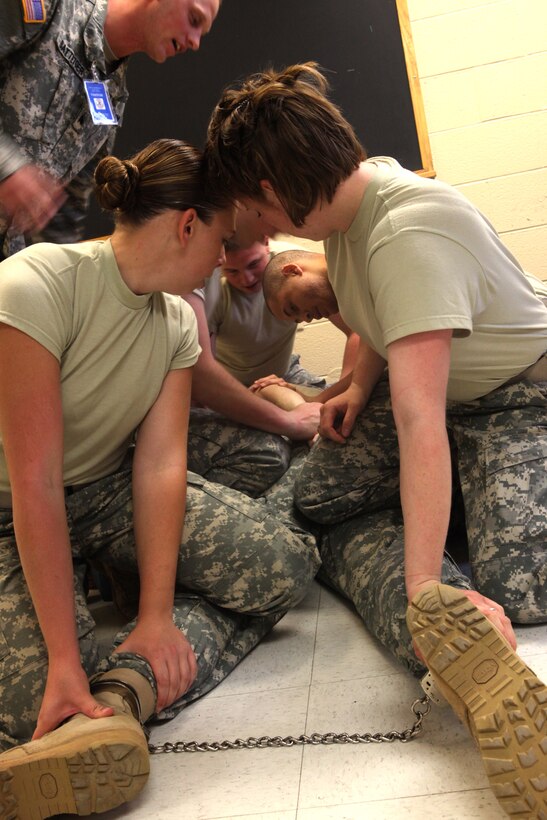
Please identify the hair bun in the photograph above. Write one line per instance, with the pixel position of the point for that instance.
(132, 180)
(117, 184)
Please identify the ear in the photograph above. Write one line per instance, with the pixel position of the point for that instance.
(268, 192)
(292, 269)
(186, 225)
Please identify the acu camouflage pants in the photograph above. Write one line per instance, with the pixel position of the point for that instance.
(499, 446)
(240, 569)
(232, 454)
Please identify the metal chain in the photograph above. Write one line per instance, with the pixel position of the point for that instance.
(420, 708)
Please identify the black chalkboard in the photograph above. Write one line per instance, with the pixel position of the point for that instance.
(363, 46)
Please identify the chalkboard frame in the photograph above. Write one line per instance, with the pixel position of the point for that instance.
(415, 90)
(175, 100)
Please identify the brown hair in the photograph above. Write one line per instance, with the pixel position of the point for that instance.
(165, 175)
(280, 127)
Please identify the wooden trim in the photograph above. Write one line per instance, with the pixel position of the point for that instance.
(415, 91)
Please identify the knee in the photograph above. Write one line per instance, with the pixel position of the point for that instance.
(314, 498)
(292, 565)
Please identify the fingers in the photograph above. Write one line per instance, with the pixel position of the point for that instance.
(496, 614)
(30, 197)
(327, 429)
(349, 421)
(50, 719)
(36, 214)
(266, 381)
(174, 676)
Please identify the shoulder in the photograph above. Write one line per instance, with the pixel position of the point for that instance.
(23, 22)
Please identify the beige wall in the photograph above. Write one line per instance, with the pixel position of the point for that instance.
(483, 72)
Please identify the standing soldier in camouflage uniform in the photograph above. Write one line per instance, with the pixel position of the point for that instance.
(49, 147)
(51, 134)
(425, 281)
(93, 349)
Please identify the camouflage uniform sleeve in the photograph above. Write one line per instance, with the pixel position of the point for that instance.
(69, 223)
(15, 34)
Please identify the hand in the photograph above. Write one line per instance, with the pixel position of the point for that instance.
(339, 413)
(66, 694)
(495, 613)
(490, 609)
(265, 381)
(303, 421)
(30, 197)
(169, 654)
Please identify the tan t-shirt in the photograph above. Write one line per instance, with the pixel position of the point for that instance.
(418, 256)
(114, 347)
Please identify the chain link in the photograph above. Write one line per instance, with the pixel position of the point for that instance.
(420, 708)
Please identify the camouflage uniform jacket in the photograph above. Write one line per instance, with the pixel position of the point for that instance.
(44, 116)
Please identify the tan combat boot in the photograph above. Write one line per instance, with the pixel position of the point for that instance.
(86, 765)
(500, 699)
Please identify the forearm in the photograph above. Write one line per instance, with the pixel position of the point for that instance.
(44, 548)
(217, 389)
(425, 498)
(333, 390)
(351, 351)
(159, 505)
(367, 370)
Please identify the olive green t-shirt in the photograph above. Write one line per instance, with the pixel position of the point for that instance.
(419, 256)
(115, 348)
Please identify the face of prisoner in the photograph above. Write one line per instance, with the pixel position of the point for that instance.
(305, 295)
(244, 269)
(174, 26)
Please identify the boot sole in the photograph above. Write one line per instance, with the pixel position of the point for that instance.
(506, 704)
(81, 778)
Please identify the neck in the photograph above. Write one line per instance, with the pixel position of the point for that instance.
(337, 215)
(348, 197)
(121, 28)
(136, 251)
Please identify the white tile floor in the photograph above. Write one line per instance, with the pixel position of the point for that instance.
(320, 671)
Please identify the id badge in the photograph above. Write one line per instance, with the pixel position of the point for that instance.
(98, 100)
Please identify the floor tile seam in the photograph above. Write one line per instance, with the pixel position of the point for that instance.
(310, 683)
(249, 816)
(525, 656)
(274, 689)
(394, 674)
(395, 800)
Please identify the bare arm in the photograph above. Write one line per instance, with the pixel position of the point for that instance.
(351, 348)
(418, 368)
(159, 493)
(217, 389)
(31, 420)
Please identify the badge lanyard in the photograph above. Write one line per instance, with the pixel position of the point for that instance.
(98, 100)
